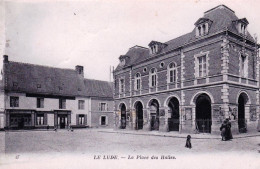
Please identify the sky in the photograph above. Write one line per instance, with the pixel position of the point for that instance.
(94, 33)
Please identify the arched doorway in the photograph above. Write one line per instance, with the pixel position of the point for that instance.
(242, 101)
(123, 116)
(203, 113)
(139, 115)
(173, 120)
(154, 114)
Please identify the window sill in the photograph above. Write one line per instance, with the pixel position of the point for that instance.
(198, 78)
(137, 90)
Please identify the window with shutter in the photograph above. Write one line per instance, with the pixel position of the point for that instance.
(81, 119)
(103, 107)
(14, 101)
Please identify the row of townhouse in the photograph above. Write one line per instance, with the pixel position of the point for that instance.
(35, 96)
(193, 82)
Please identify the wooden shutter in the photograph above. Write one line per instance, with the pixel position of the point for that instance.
(69, 119)
(77, 119)
(45, 119)
(99, 106)
(55, 119)
(85, 119)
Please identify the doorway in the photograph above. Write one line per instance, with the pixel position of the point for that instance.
(154, 114)
(174, 120)
(123, 116)
(139, 116)
(241, 113)
(203, 114)
(63, 121)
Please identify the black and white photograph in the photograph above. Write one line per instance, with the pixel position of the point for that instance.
(123, 84)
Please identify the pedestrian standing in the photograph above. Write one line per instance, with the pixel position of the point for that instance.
(188, 142)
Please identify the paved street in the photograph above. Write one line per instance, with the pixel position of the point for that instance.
(28, 145)
(95, 141)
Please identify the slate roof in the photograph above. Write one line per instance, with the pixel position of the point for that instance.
(221, 16)
(37, 79)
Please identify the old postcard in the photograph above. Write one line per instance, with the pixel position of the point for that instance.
(129, 84)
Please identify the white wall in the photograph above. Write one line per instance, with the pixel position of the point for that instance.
(2, 120)
(50, 104)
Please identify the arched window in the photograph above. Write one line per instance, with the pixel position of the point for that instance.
(137, 81)
(172, 73)
(153, 77)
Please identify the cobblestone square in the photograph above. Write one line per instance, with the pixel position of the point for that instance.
(90, 143)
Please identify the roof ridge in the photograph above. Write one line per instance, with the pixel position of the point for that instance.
(97, 80)
(31, 64)
(178, 37)
(220, 7)
(137, 46)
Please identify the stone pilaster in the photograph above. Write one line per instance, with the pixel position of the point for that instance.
(133, 114)
(163, 117)
(119, 119)
(193, 118)
(182, 68)
(225, 99)
(147, 120)
(224, 58)
(224, 71)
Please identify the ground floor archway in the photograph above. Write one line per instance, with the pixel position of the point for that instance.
(123, 116)
(154, 114)
(203, 113)
(242, 101)
(174, 111)
(139, 115)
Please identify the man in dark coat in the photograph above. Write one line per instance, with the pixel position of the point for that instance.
(226, 130)
(223, 130)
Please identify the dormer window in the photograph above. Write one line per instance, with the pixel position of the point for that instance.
(202, 30)
(123, 59)
(202, 26)
(242, 29)
(122, 62)
(156, 47)
(241, 25)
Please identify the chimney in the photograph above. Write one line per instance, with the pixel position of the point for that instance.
(5, 58)
(80, 70)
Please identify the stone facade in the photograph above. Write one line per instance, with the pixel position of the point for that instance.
(202, 96)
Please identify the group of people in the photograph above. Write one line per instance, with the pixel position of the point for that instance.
(226, 130)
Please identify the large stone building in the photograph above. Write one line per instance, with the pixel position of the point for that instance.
(193, 82)
(34, 96)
